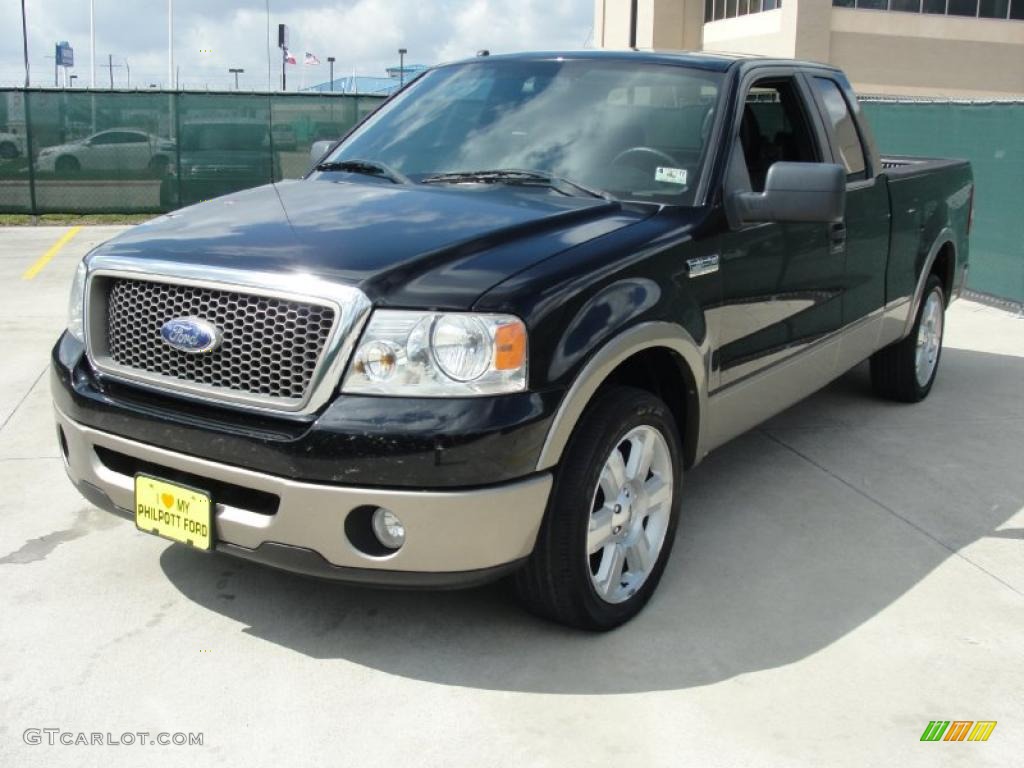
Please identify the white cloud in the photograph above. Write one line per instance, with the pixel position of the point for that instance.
(212, 35)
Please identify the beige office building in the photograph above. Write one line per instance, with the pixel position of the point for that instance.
(949, 48)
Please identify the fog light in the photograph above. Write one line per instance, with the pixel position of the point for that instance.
(388, 528)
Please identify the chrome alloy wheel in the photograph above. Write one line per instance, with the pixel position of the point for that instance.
(630, 513)
(929, 338)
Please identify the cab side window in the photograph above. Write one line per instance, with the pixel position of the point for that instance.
(844, 128)
(774, 129)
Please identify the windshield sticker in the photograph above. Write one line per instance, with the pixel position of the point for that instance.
(671, 175)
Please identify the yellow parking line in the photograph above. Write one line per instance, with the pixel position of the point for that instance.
(43, 260)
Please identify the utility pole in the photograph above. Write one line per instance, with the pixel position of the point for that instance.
(401, 66)
(24, 39)
(236, 73)
(127, 66)
(111, 66)
(330, 60)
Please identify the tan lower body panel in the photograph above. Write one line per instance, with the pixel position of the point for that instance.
(446, 531)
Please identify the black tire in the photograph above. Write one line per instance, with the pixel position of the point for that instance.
(67, 165)
(8, 150)
(894, 369)
(556, 581)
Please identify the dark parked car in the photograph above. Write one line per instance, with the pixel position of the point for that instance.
(219, 156)
(490, 331)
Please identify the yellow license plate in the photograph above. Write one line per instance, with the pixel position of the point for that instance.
(173, 511)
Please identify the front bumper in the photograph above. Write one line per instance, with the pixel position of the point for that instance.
(453, 537)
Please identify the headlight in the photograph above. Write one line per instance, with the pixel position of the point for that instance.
(76, 304)
(433, 354)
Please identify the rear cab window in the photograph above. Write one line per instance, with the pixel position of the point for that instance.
(844, 128)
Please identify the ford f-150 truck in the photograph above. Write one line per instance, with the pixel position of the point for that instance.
(491, 329)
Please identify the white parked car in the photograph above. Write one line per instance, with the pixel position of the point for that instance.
(12, 145)
(118, 149)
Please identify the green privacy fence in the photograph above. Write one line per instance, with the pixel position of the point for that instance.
(140, 152)
(125, 152)
(991, 136)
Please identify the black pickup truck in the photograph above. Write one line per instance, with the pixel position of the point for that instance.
(496, 323)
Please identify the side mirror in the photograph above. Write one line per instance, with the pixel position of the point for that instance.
(318, 150)
(795, 192)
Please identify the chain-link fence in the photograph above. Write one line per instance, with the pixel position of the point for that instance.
(138, 152)
(98, 151)
(989, 134)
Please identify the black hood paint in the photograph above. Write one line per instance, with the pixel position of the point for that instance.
(423, 246)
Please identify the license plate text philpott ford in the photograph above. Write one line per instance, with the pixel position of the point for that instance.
(173, 512)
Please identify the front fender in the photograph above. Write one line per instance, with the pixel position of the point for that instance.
(636, 339)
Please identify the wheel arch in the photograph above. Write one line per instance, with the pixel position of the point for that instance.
(941, 256)
(656, 356)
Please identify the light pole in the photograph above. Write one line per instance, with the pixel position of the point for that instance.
(92, 43)
(170, 40)
(71, 80)
(24, 39)
(330, 60)
(236, 73)
(401, 66)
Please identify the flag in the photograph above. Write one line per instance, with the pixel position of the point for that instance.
(310, 59)
(289, 58)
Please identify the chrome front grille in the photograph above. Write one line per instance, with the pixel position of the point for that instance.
(271, 346)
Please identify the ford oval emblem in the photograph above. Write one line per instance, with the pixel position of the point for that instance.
(191, 334)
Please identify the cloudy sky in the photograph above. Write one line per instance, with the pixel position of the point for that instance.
(212, 35)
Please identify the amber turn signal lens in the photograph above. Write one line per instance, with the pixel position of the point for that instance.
(510, 347)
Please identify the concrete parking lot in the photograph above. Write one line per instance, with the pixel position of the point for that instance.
(843, 575)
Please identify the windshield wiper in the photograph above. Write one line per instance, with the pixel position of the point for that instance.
(517, 176)
(367, 167)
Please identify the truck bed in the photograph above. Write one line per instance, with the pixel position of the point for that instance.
(906, 165)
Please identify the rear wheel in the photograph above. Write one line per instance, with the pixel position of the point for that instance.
(8, 150)
(612, 516)
(906, 370)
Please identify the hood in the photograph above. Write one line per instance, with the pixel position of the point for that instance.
(412, 246)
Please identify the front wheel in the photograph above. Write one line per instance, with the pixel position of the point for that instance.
(611, 520)
(906, 370)
(67, 166)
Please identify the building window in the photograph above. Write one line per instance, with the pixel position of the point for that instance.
(963, 8)
(986, 9)
(715, 10)
(994, 9)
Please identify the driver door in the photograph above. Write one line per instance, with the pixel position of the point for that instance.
(781, 281)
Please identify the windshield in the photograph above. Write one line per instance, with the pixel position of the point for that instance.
(638, 131)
